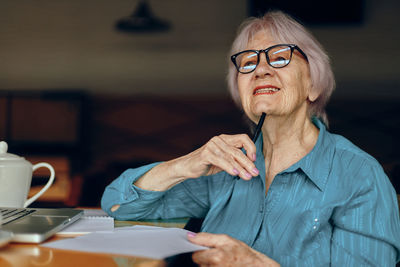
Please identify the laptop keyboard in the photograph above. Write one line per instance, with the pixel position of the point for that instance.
(11, 214)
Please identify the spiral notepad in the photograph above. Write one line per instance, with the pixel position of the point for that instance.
(92, 221)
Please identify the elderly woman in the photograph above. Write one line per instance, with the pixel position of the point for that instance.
(299, 195)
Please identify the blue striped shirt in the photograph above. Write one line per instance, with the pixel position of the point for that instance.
(334, 207)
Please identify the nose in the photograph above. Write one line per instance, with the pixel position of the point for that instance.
(263, 68)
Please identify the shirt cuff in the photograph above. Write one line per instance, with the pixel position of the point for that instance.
(132, 192)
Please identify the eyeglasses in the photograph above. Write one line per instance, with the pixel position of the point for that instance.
(278, 56)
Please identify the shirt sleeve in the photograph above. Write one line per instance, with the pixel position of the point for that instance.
(187, 199)
(366, 228)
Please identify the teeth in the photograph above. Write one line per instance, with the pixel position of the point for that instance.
(266, 90)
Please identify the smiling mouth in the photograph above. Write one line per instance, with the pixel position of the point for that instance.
(267, 91)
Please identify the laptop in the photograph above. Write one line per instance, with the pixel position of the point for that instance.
(34, 225)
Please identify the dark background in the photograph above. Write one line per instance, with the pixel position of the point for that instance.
(75, 86)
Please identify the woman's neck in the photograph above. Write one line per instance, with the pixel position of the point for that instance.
(288, 132)
(286, 140)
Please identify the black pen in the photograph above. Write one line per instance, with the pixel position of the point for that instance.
(258, 128)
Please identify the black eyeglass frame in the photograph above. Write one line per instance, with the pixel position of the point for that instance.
(258, 52)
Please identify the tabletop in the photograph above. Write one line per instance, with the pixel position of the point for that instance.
(29, 255)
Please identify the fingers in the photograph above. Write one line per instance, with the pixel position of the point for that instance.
(241, 141)
(222, 249)
(226, 251)
(208, 239)
(225, 152)
(220, 153)
(210, 256)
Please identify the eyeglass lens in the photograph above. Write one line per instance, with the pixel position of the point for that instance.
(278, 57)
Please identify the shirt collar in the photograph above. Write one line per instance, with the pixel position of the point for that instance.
(316, 164)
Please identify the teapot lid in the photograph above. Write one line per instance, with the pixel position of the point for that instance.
(7, 156)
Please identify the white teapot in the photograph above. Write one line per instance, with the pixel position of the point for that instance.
(16, 178)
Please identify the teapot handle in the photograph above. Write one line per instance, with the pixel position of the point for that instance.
(49, 183)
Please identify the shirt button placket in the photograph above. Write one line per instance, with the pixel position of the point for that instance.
(261, 208)
(315, 223)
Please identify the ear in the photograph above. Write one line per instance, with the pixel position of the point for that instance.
(313, 95)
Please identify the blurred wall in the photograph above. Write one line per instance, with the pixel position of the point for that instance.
(73, 44)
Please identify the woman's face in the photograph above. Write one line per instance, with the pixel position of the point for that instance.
(275, 91)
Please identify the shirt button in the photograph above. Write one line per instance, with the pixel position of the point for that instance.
(316, 220)
(315, 227)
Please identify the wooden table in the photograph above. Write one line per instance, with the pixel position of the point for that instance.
(33, 255)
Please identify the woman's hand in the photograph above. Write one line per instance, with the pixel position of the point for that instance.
(226, 251)
(221, 153)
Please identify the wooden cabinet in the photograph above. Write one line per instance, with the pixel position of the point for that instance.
(48, 126)
(60, 190)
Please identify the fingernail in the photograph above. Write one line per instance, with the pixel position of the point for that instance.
(191, 234)
(248, 175)
(255, 171)
(254, 157)
(235, 171)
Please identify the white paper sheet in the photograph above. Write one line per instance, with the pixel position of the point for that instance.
(140, 241)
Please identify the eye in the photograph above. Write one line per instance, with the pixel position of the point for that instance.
(279, 61)
(248, 60)
(279, 56)
(249, 63)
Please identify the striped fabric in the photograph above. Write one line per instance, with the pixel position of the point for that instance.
(335, 207)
